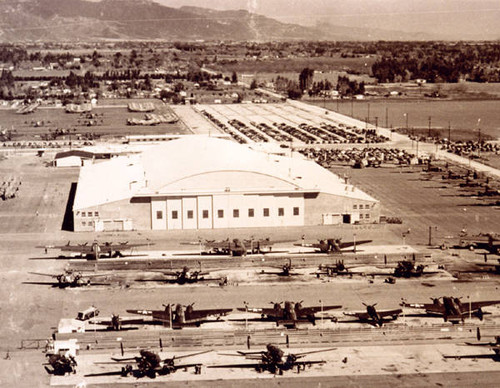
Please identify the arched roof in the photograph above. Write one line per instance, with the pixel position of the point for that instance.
(204, 164)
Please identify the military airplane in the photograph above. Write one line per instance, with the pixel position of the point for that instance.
(489, 267)
(495, 346)
(273, 359)
(405, 269)
(60, 364)
(96, 250)
(290, 315)
(150, 364)
(452, 309)
(185, 276)
(332, 270)
(487, 241)
(182, 316)
(236, 247)
(115, 323)
(69, 280)
(333, 245)
(286, 270)
(374, 317)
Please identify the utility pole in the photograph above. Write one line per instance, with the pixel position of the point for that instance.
(387, 117)
(376, 122)
(368, 112)
(449, 132)
(352, 107)
(430, 118)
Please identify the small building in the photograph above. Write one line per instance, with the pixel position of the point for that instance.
(73, 158)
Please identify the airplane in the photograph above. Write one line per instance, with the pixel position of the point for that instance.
(331, 270)
(489, 267)
(60, 364)
(236, 247)
(289, 315)
(69, 280)
(272, 360)
(452, 309)
(404, 269)
(495, 346)
(487, 241)
(182, 316)
(374, 317)
(96, 250)
(185, 276)
(149, 364)
(286, 270)
(115, 323)
(332, 245)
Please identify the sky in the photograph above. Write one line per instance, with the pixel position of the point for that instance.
(453, 19)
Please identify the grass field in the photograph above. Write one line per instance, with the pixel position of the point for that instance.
(460, 115)
(360, 65)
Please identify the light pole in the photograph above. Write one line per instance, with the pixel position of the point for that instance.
(430, 120)
(321, 302)
(406, 116)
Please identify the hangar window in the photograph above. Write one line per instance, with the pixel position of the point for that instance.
(175, 214)
(354, 206)
(295, 211)
(236, 213)
(220, 213)
(84, 214)
(84, 223)
(159, 215)
(96, 214)
(266, 212)
(205, 213)
(281, 212)
(190, 214)
(251, 213)
(367, 215)
(361, 216)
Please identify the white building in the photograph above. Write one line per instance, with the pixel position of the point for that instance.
(201, 182)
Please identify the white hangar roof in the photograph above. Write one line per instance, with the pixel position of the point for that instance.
(200, 164)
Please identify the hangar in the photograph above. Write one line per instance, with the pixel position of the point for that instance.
(200, 182)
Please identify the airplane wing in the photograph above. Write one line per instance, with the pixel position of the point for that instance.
(316, 309)
(428, 307)
(43, 274)
(386, 313)
(83, 249)
(268, 311)
(146, 312)
(314, 351)
(200, 314)
(348, 244)
(191, 355)
(114, 373)
(246, 365)
(361, 315)
(53, 284)
(477, 305)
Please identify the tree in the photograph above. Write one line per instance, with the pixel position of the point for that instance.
(253, 85)
(305, 78)
(234, 78)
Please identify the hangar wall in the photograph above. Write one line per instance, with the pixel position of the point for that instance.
(325, 208)
(227, 210)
